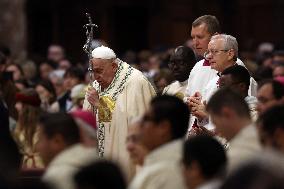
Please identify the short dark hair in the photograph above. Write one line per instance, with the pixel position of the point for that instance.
(208, 153)
(185, 53)
(210, 21)
(239, 74)
(60, 123)
(100, 174)
(75, 72)
(277, 87)
(272, 119)
(226, 97)
(255, 175)
(172, 109)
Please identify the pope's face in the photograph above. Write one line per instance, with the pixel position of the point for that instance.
(104, 71)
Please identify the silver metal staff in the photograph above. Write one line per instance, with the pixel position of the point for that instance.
(88, 49)
(88, 45)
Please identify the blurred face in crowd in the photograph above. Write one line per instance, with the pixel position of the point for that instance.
(219, 57)
(278, 71)
(192, 175)
(154, 62)
(265, 98)
(153, 133)
(271, 140)
(222, 122)
(201, 38)
(104, 71)
(19, 107)
(278, 58)
(43, 93)
(264, 138)
(55, 53)
(134, 146)
(227, 81)
(58, 85)
(45, 70)
(70, 82)
(64, 64)
(47, 147)
(16, 72)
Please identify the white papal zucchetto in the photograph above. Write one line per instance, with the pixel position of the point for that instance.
(103, 53)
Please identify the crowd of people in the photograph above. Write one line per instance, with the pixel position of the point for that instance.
(202, 115)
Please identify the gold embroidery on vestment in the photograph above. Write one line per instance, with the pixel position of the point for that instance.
(106, 108)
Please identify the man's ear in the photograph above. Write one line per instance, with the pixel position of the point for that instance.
(279, 137)
(243, 86)
(58, 140)
(165, 129)
(227, 112)
(231, 54)
(114, 66)
(195, 169)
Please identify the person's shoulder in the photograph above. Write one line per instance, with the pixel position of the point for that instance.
(198, 64)
(240, 62)
(162, 174)
(138, 77)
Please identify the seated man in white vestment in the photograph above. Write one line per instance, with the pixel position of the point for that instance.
(231, 116)
(163, 128)
(118, 94)
(222, 53)
(61, 150)
(203, 28)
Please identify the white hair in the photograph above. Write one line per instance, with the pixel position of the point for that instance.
(230, 42)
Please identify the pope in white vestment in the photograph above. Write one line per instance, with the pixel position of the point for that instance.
(126, 97)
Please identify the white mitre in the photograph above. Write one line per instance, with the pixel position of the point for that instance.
(103, 52)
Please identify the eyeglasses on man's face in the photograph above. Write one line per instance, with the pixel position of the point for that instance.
(214, 52)
(177, 62)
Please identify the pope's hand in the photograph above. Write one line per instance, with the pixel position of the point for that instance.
(92, 96)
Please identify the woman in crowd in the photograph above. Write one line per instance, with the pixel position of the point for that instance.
(47, 96)
(25, 133)
(16, 70)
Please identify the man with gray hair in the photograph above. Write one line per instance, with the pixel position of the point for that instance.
(203, 28)
(118, 94)
(222, 53)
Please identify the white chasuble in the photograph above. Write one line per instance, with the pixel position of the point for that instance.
(127, 97)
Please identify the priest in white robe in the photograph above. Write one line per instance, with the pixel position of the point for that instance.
(118, 94)
(203, 28)
(181, 63)
(222, 53)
